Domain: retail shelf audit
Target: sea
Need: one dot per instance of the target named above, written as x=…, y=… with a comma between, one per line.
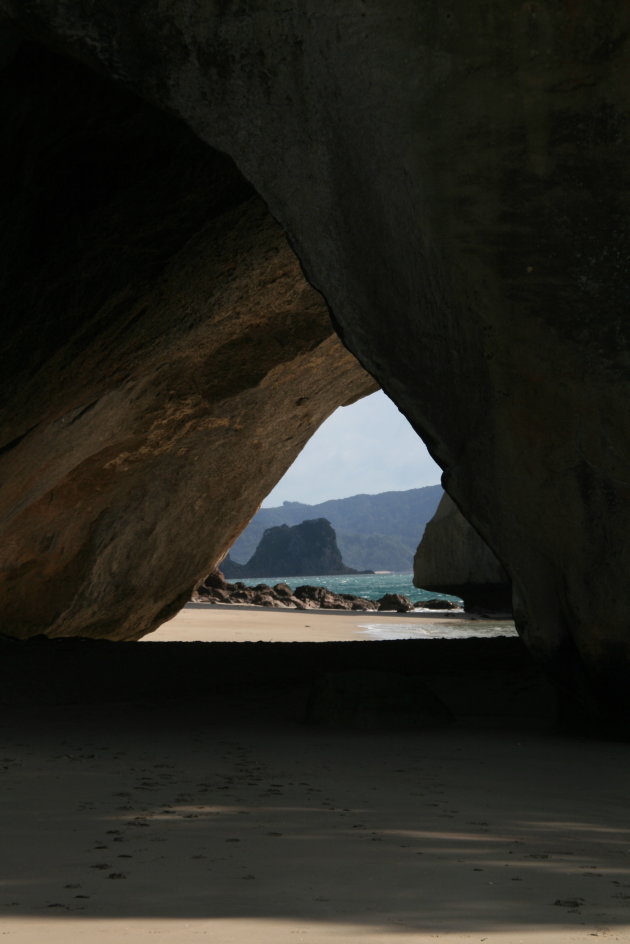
x=370, y=586
x=374, y=586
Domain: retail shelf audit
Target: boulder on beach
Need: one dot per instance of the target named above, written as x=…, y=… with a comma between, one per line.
x=395, y=601
x=216, y=589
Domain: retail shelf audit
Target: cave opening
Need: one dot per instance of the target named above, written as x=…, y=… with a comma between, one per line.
x=166, y=358
x=166, y=362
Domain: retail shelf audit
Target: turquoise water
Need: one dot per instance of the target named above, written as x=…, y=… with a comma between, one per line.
x=371, y=586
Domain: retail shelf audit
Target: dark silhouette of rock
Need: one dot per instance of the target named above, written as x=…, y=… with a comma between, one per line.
x=216, y=581
x=374, y=532
x=437, y=604
x=395, y=601
x=452, y=558
x=306, y=549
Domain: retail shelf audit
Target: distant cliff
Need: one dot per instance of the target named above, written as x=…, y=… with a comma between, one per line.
x=305, y=550
x=374, y=532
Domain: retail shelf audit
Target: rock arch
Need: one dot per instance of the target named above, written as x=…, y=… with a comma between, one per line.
x=164, y=360
x=455, y=181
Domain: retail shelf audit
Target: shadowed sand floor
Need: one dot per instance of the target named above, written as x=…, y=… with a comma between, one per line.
x=229, y=820
x=141, y=822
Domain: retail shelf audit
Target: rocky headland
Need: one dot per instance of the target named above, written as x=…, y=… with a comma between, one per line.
x=308, y=549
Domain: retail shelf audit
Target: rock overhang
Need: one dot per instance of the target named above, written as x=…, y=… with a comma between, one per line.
x=454, y=181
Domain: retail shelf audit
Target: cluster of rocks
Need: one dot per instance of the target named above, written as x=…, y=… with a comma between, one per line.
x=216, y=589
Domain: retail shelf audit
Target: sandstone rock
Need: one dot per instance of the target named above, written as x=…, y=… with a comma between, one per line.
x=452, y=558
x=395, y=601
x=358, y=603
x=158, y=331
x=436, y=604
x=263, y=599
x=455, y=181
x=216, y=581
x=321, y=597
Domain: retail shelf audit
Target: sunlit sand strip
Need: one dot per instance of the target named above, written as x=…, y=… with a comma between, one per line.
x=278, y=931
x=209, y=623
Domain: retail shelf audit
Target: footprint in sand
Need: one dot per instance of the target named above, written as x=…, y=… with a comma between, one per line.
x=571, y=903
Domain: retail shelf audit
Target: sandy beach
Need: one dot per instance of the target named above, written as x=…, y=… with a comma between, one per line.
x=231, y=821
x=216, y=623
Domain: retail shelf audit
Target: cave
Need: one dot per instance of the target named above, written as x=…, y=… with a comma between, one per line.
x=165, y=361
x=454, y=188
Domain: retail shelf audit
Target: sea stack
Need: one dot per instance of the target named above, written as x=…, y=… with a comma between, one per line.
x=308, y=549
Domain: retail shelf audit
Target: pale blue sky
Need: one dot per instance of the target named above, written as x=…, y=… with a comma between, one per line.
x=368, y=447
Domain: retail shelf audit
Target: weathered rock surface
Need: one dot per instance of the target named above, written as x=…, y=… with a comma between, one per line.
x=307, y=549
x=452, y=558
x=164, y=359
x=437, y=604
x=455, y=180
x=395, y=601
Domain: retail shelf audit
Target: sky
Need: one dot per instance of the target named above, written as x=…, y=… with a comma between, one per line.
x=368, y=447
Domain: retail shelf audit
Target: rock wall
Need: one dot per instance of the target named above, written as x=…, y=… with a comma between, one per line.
x=164, y=359
x=455, y=181
x=452, y=558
